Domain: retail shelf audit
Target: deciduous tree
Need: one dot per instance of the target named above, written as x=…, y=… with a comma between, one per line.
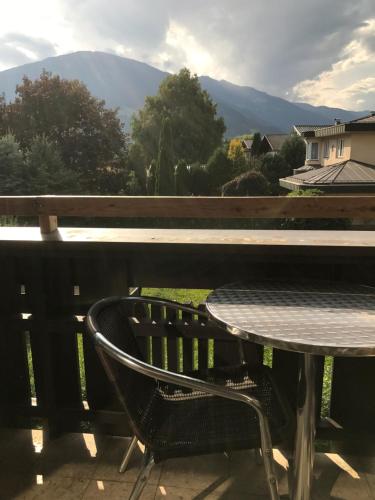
x=88, y=136
x=294, y=151
x=192, y=113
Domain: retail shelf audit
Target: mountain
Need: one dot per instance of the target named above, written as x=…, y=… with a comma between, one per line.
x=125, y=83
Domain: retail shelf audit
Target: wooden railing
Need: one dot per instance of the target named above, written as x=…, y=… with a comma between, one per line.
x=48, y=284
x=48, y=208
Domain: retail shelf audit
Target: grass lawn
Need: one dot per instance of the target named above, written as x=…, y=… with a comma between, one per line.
x=182, y=295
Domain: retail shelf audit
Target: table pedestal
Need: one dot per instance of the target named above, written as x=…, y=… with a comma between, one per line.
x=305, y=434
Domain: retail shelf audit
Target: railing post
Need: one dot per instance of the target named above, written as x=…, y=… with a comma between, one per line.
x=47, y=223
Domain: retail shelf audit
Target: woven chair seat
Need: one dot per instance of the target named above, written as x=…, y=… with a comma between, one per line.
x=181, y=422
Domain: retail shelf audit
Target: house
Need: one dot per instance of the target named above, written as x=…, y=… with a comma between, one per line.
x=340, y=158
x=272, y=143
x=246, y=148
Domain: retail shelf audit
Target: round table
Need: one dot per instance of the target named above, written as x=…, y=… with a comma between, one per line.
x=313, y=318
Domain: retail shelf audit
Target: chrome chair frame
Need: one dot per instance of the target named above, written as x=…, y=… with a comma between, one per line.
x=104, y=346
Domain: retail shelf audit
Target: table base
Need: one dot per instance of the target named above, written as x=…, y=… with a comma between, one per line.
x=305, y=434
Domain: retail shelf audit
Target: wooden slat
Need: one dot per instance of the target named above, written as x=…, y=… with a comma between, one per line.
x=362, y=207
x=353, y=396
x=47, y=223
x=97, y=276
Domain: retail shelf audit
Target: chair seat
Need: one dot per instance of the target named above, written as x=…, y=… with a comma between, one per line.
x=180, y=422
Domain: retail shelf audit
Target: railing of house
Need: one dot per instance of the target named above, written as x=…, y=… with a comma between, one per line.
x=50, y=276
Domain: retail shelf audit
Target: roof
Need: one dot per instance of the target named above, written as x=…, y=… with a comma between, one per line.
x=276, y=140
x=347, y=176
x=300, y=129
x=363, y=124
x=366, y=119
x=247, y=143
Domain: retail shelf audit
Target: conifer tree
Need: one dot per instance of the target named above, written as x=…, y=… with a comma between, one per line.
x=164, y=182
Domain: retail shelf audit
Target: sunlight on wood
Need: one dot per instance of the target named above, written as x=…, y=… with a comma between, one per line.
x=280, y=459
x=39, y=479
x=141, y=446
x=340, y=462
x=89, y=440
x=37, y=438
x=163, y=491
x=100, y=485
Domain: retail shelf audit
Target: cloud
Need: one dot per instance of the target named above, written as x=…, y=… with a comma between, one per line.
x=17, y=48
x=271, y=45
x=276, y=46
x=349, y=81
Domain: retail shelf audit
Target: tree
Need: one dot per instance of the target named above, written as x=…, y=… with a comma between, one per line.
x=255, y=147
x=150, y=178
x=219, y=170
x=191, y=112
x=46, y=172
x=133, y=186
x=199, y=180
x=88, y=135
x=274, y=167
x=248, y=184
x=12, y=167
x=164, y=179
x=182, y=179
x=236, y=154
x=293, y=151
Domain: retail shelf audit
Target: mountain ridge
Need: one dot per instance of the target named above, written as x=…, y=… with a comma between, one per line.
x=124, y=83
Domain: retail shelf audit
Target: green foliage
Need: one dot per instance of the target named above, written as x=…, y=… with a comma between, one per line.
x=46, y=173
x=150, y=178
x=164, y=180
x=219, y=169
x=294, y=151
x=250, y=183
x=191, y=112
x=88, y=136
x=12, y=167
x=257, y=140
x=182, y=179
x=274, y=167
x=133, y=186
x=199, y=180
x=313, y=223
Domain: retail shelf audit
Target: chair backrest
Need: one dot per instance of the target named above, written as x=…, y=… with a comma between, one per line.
x=111, y=318
x=165, y=334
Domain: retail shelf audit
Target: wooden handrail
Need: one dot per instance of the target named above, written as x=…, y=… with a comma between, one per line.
x=191, y=207
x=267, y=207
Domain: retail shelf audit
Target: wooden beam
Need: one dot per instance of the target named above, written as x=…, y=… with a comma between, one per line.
x=268, y=207
x=47, y=223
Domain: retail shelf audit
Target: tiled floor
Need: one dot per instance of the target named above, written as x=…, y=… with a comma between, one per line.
x=83, y=466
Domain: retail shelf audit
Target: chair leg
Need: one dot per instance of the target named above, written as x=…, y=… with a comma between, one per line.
x=147, y=464
x=266, y=446
x=128, y=454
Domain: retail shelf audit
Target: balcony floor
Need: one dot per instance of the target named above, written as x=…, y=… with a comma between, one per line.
x=84, y=466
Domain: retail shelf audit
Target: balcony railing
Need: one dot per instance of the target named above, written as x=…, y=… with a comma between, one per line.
x=50, y=276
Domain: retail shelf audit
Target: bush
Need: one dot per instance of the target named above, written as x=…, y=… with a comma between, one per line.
x=248, y=184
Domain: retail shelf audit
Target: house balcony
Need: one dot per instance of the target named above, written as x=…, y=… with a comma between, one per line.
x=58, y=415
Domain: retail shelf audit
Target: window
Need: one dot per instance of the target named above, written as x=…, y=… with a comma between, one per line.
x=340, y=148
x=312, y=151
x=326, y=150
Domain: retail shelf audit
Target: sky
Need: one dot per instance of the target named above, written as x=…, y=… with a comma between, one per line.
x=317, y=51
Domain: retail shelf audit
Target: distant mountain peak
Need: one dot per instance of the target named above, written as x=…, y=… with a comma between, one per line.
x=124, y=83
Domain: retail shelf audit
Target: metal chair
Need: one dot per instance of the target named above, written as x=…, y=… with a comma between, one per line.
x=219, y=409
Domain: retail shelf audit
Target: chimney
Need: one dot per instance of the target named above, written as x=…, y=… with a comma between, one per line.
x=337, y=121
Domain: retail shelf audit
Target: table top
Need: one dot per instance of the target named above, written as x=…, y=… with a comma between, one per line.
x=327, y=318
